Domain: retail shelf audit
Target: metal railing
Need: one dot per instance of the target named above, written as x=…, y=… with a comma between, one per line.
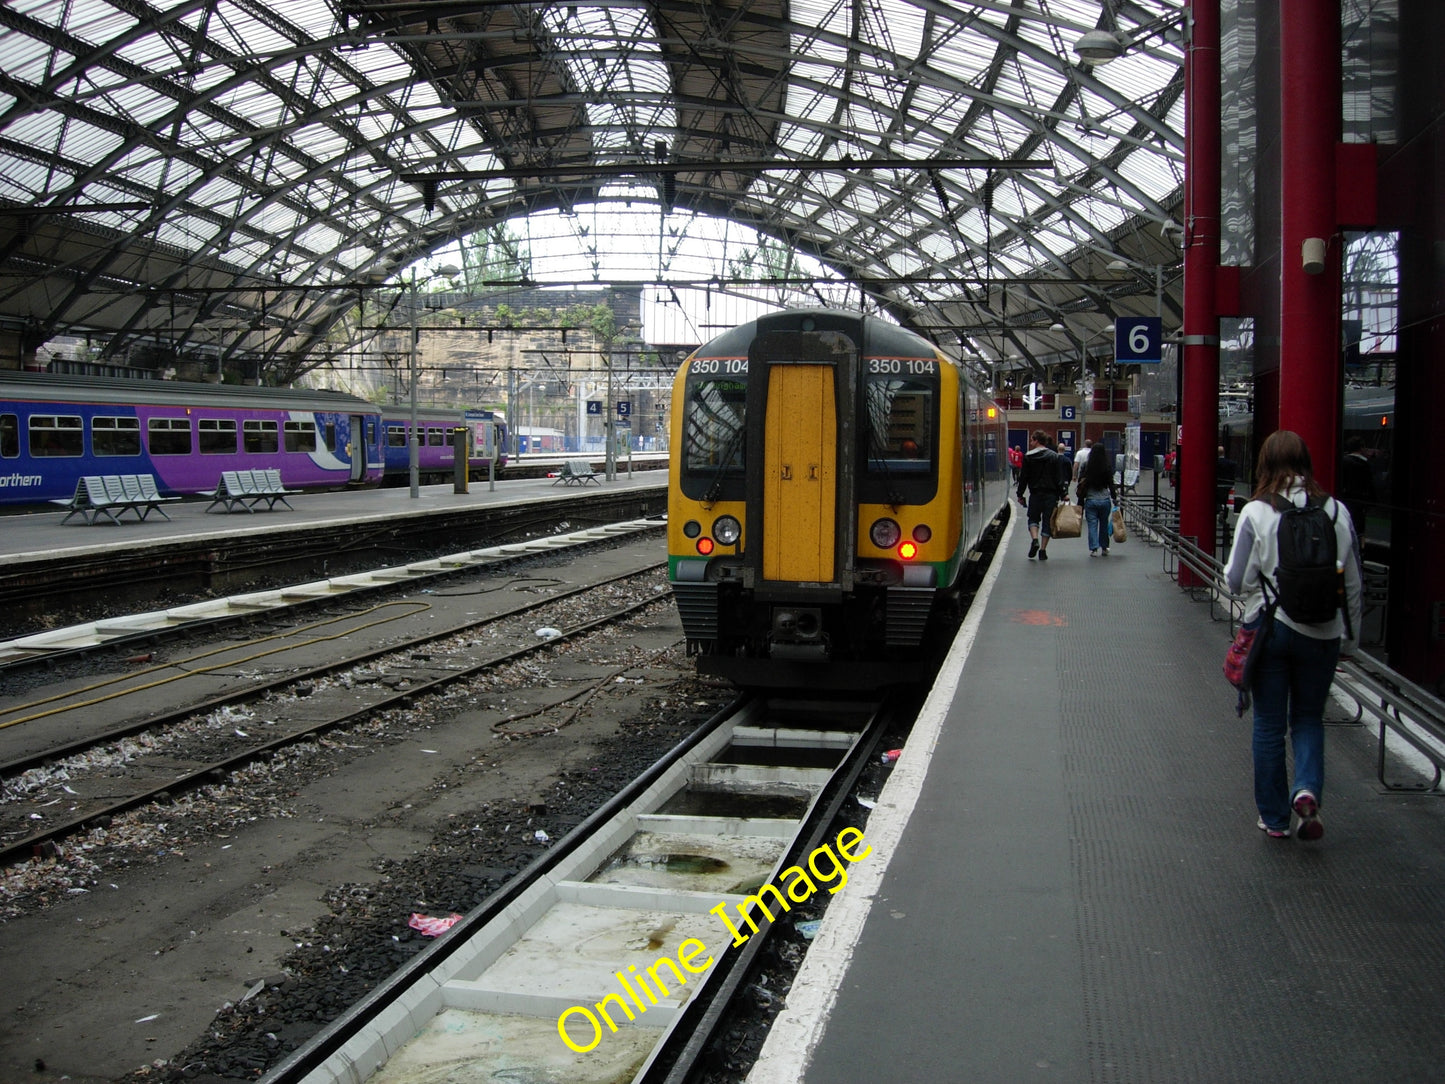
x=1390, y=702
x=1157, y=524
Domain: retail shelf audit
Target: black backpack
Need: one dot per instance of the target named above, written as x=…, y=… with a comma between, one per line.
x=1309, y=584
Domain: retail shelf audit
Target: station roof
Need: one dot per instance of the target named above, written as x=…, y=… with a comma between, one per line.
x=231, y=176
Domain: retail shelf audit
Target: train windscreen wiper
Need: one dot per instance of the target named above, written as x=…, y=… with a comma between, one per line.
x=877, y=453
x=724, y=465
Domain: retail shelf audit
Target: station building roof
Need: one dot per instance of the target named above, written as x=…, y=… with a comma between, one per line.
x=234, y=175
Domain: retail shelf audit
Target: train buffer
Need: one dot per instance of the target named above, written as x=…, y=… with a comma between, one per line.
x=576, y=472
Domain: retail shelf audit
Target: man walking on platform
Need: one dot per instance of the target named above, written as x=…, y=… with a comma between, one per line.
x=1040, y=478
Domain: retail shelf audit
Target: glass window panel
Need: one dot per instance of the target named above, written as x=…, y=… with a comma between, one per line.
x=217, y=436
x=300, y=436
x=115, y=436
x=259, y=436
x=169, y=436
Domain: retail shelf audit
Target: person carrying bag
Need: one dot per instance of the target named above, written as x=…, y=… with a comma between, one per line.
x=1293, y=561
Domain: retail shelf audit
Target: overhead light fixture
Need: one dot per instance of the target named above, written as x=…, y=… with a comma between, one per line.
x=1099, y=46
x=1118, y=265
x=1056, y=327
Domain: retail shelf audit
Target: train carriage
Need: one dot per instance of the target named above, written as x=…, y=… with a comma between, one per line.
x=486, y=438
x=55, y=430
x=834, y=480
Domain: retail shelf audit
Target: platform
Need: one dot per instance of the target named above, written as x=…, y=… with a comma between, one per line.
x=1067, y=882
x=41, y=537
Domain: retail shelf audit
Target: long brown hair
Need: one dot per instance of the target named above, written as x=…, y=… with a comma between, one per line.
x=1283, y=457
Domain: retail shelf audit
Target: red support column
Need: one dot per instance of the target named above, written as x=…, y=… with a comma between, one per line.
x=1199, y=415
x=1310, y=375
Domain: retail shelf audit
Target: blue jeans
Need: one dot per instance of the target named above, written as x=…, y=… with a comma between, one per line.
x=1096, y=515
x=1291, y=681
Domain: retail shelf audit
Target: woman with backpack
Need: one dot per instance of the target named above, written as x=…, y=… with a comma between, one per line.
x=1294, y=561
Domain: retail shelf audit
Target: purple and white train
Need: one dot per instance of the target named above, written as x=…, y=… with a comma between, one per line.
x=56, y=429
x=486, y=437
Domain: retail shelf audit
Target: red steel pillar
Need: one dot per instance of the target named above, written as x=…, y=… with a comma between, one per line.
x=1199, y=416
x=1310, y=376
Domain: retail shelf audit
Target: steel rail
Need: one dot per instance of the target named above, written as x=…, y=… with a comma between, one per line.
x=36, y=843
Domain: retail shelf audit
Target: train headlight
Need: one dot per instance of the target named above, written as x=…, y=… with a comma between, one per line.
x=692, y=528
x=884, y=534
x=727, y=530
x=704, y=546
x=908, y=551
x=922, y=533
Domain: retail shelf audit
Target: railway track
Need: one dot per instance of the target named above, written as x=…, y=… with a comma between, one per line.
x=302, y=704
x=642, y=917
x=47, y=648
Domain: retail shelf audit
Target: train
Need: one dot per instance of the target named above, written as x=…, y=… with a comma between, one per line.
x=1369, y=417
x=835, y=482
x=486, y=439
x=56, y=429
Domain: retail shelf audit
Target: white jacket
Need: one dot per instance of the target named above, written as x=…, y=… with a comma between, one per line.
x=1255, y=556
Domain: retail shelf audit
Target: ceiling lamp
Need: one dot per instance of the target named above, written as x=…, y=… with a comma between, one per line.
x=1099, y=46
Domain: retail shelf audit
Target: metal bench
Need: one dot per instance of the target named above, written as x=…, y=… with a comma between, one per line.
x=576, y=472
x=110, y=496
x=92, y=501
x=143, y=494
x=231, y=493
x=249, y=488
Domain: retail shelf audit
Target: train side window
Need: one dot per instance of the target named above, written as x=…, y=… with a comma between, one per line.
x=9, y=436
x=56, y=435
x=217, y=436
x=301, y=436
x=434, y=438
x=259, y=436
x=396, y=436
x=115, y=436
x=169, y=436
x=331, y=437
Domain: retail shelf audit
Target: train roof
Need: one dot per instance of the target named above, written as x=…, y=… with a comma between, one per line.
x=43, y=387
x=401, y=412
x=880, y=337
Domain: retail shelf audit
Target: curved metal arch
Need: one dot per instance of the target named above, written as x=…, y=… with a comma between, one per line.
x=802, y=216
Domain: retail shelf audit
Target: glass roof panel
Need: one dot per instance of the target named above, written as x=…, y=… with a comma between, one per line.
x=281, y=128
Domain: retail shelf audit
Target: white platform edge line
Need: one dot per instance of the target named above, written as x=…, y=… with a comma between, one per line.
x=799, y=1028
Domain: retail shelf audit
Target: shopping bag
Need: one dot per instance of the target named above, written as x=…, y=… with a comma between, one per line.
x=1067, y=521
x=1116, y=522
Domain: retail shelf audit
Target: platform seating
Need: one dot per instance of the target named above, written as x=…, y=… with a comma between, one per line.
x=109, y=496
x=576, y=472
x=248, y=488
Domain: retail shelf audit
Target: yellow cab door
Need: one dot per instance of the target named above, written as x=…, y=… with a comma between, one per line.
x=800, y=483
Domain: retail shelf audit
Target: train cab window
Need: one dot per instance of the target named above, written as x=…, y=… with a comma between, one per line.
x=9, y=436
x=301, y=436
x=331, y=437
x=169, y=436
x=56, y=435
x=714, y=435
x=396, y=436
x=217, y=436
x=115, y=436
x=901, y=442
x=259, y=435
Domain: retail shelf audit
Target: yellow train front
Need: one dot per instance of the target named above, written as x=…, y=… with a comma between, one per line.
x=835, y=481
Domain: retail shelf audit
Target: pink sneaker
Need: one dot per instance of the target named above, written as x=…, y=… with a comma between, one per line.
x=1273, y=833
x=1307, y=806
